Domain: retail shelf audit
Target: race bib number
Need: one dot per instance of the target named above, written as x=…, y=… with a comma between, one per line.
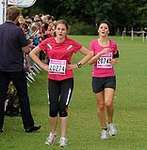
x=103, y=61
x=57, y=66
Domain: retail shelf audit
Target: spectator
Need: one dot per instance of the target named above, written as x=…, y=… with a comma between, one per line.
x=13, y=45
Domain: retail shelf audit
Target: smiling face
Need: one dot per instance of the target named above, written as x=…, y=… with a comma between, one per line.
x=61, y=31
x=103, y=30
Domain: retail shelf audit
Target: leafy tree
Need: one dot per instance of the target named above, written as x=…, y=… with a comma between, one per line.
x=121, y=13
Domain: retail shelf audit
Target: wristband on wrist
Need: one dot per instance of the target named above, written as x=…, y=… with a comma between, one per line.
x=79, y=65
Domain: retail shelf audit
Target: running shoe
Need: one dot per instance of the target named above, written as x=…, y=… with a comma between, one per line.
x=50, y=140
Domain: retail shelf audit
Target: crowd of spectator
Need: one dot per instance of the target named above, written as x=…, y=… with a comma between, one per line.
x=36, y=29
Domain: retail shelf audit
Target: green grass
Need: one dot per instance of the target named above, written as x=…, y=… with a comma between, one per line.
x=83, y=131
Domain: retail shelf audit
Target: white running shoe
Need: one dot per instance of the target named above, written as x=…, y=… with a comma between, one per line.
x=63, y=141
x=112, y=129
x=50, y=140
x=104, y=134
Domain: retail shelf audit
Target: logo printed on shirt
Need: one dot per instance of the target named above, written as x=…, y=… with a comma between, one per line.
x=50, y=47
x=69, y=47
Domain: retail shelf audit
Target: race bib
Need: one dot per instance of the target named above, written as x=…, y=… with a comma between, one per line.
x=103, y=61
x=57, y=66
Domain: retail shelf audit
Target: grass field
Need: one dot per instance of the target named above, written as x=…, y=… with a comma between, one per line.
x=83, y=132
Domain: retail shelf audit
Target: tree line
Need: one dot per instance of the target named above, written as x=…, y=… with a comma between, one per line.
x=120, y=13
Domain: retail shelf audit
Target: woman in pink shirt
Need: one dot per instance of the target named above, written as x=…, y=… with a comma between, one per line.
x=103, y=78
x=59, y=50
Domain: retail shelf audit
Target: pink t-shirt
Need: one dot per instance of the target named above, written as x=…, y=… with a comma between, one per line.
x=60, y=55
x=102, y=68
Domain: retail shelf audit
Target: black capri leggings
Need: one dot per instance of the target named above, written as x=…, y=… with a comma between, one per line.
x=59, y=96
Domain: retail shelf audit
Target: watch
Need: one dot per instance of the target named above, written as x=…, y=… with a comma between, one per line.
x=79, y=65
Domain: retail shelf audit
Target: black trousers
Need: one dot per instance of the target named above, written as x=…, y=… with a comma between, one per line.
x=20, y=82
x=60, y=93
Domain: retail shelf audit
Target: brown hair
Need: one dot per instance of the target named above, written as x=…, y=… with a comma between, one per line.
x=106, y=22
x=12, y=13
x=62, y=21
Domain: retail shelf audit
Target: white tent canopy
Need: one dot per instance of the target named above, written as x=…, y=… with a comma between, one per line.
x=18, y=3
x=21, y=3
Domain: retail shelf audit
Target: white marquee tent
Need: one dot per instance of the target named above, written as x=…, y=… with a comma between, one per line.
x=18, y=3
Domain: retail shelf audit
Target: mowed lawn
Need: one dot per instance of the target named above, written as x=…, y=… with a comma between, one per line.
x=83, y=131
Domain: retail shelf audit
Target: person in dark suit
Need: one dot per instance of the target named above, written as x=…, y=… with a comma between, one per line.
x=13, y=45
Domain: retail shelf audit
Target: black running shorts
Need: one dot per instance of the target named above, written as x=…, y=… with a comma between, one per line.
x=100, y=83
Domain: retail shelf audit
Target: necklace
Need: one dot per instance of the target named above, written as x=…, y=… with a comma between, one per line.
x=103, y=41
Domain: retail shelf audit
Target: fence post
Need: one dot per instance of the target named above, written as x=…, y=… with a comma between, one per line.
x=124, y=33
x=132, y=34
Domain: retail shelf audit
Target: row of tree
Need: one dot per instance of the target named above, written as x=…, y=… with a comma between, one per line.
x=121, y=13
